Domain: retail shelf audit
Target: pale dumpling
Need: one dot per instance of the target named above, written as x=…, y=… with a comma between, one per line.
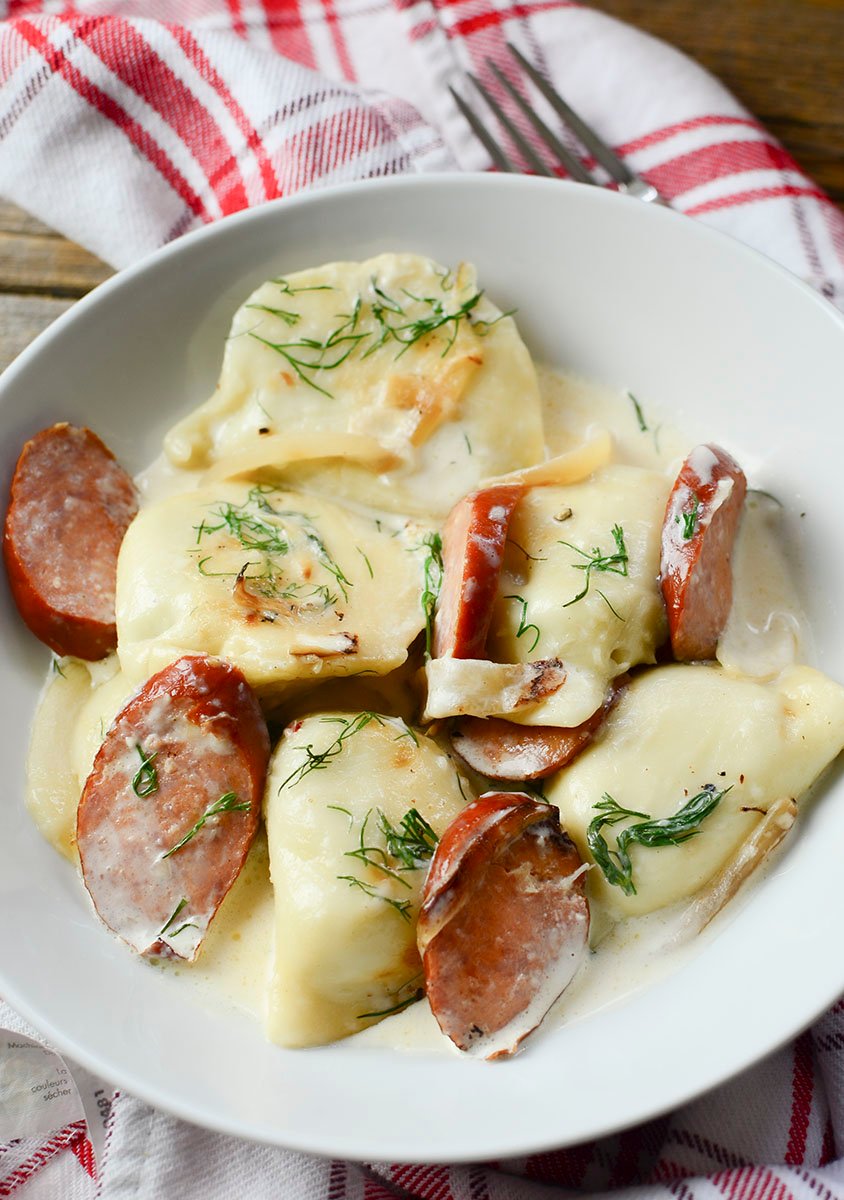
x=345, y=904
x=392, y=381
x=288, y=587
x=614, y=521
x=683, y=728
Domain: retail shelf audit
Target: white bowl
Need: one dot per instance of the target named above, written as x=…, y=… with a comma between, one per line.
x=719, y=338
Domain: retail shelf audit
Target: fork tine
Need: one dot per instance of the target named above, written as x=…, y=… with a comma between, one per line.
x=610, y=161
x=573, y=165
x=515, y=134
x=493, y=149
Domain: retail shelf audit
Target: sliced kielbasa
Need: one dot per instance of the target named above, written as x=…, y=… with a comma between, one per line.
x=172, y=805
x=70, y=505
x=504, y=921
x=502, y=749
x=474, y=538
x=701, y=521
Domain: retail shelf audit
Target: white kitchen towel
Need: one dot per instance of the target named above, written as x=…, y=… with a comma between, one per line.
x=123, y=129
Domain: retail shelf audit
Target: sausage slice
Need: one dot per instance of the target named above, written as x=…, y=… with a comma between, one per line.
x=71, y=503
x=172, y=804
x=504, y=921
x=701, y=521
x=502, y=749
x=474, y=537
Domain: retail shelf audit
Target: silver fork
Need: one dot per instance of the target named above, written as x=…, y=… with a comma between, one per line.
x=615, y=167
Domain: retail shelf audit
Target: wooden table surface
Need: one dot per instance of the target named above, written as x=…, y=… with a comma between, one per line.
x=784, y=59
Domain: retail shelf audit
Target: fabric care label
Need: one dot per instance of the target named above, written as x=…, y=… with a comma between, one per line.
x=40, y=1093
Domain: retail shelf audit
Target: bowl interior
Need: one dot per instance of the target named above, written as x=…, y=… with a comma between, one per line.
x=723, y=344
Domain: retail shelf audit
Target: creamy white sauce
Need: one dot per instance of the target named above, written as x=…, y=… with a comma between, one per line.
x=767, y=629
x=766, y=632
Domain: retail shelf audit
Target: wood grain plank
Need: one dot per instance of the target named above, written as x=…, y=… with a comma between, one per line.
x=15, y=220
x=47, y=265
x=22, y=318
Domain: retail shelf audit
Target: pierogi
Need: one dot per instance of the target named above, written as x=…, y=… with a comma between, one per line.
x=294, y=530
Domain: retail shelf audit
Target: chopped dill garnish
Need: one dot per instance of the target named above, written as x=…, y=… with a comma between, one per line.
x=407, y=733
x=413, y=843
x=286, y=290
x=527, y=554
x=615, y=564
x=58, y=669
x=253, y=525
x=284, y=314
x=311, y=355
x=366, y=560
x=523, y=627
x=406, y=848
x=339, y=808
x=319, y=760
x=380, y=319
x=173, y=916
x=401, y=906
x=460, y=786
x=418, y=994
x=690, y=519
x=245, y=525
x=433, y=569
x=468, y=443
x=330, y=564
x=667, y=831
x=145, y=779
x=640, y=416
x=376, y=857
x=227, y=803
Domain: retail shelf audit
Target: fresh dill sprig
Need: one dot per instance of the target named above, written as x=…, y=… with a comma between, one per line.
x=433, y=570
x=366, y=560
x=284, y=314
x=637, y=408
x=438, y=318
x=523, y=627
x=145, y=779
x=666, y=831
x=286, y=290
x=460, y=786
x=312, y=355
x=227, y=803
x=407, y=732
x=690, y=519
x=615, y=564
x=320, y=759
x=402, y=907
x=413, y=843
x=339, y=808
x=376, y=857
x=251, y=525
x=331, y=565
x=174, y=914
x=418, y=994
x=245, y=525
x=406, y=848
